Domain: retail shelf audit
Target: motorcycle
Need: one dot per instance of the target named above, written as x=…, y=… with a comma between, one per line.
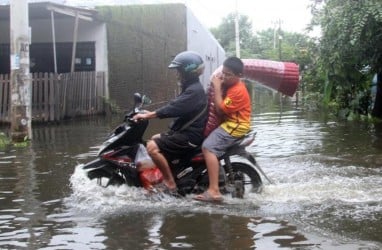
x=116, y=162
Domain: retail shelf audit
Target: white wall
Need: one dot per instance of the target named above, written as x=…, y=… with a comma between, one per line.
x=87, y=31
x=41, y=31
x=201, y=40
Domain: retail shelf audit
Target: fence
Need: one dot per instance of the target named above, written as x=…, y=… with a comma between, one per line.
x=59, y=96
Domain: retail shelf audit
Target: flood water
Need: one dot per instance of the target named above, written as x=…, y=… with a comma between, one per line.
x=327, y=192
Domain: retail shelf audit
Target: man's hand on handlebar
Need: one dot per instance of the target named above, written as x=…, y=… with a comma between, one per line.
x=144, y=115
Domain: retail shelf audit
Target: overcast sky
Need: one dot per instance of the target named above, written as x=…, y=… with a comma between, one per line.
x=294, y=14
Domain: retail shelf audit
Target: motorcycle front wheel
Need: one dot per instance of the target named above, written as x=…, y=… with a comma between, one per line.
x=104, y=173
x=245, y=179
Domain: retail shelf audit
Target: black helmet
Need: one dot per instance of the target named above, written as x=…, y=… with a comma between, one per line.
x=190, y=64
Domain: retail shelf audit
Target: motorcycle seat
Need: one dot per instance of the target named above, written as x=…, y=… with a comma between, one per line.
x=246, y=140
x=241, y=143
x=239, y=146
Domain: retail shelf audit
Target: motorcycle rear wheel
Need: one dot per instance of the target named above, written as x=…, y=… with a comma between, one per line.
x=246, y=179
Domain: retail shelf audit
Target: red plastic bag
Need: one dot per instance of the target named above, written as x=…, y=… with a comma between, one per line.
x=150, y=177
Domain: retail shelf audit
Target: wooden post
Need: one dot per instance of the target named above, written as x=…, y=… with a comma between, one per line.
x=75, y=34
x=54, y=41
x=21, y=113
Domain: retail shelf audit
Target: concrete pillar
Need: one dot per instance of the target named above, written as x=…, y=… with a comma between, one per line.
x=21, y=84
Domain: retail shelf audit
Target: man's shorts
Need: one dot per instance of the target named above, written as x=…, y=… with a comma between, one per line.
x=219, y=141
x=174, y=144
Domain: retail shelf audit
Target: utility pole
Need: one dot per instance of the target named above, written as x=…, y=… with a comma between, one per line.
x=280, y=39
x=237, y=32
x=21, y=113
x=274, y=38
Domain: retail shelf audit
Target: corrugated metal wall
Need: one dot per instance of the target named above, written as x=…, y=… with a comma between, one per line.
x=142, y=40
x=201, y=40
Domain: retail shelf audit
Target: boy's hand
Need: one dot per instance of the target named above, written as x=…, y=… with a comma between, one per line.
x=217, y=81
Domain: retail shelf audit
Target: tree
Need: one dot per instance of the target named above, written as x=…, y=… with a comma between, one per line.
x=350, y=52
x=294, y=46
x=225, y=34
x=261, y=45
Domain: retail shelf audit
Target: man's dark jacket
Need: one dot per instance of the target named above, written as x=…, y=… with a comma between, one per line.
x=185, y=107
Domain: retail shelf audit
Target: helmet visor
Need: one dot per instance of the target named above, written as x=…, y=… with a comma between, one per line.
x=174, y=64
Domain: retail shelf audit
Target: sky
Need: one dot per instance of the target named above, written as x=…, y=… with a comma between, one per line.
x=294, y=14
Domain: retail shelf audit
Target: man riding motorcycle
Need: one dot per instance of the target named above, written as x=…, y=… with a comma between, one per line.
x=189, y=110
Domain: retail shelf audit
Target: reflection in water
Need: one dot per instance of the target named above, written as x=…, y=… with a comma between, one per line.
x=200, y=231
x=19, y=197
x=33, y=180
x=279, y=234
x=75, y=233
x=327, y=193
x=376, y=134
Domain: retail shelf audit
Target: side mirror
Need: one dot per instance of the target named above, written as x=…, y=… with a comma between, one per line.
x=137, y=99
x=146, y=100
x=140, y=100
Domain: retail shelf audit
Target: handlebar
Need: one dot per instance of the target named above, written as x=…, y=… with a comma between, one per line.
x=129, y=117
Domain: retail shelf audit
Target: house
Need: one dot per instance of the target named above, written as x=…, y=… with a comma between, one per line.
x=64, y=83
x=106, y=53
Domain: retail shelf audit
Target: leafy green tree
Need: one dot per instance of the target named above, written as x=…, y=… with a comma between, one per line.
x=350, y=52
x=225, y=34
x=294, y=46
x=263, y=44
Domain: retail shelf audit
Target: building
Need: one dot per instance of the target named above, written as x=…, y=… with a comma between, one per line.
x=127, y=47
